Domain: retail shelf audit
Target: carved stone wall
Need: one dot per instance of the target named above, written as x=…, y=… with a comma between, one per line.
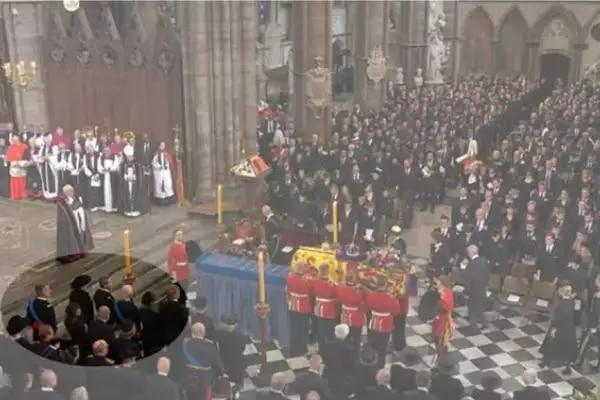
x=125, y=76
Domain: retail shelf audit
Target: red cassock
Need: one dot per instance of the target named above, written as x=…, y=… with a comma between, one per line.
x=353, y=305
x=325, y=299
x=64, y=140
x=443, y=321
x=298, y=293
x=383, y=308
x=177, y=262
x=18, y=173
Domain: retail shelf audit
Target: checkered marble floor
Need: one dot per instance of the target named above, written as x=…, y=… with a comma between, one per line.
x=508, y=347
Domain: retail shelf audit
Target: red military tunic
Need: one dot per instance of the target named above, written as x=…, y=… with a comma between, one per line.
x=298, y=293
x=353, y=305
x=383, y=308
x=443, y=325
x=325, y=299
x=177, y=261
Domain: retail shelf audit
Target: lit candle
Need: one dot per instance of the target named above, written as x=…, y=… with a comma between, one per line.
x=262, y=295
x=127, y=253
x=334, y=214
x=220, y=204
x=33, y=66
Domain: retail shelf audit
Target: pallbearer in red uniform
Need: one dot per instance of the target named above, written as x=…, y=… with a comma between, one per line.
x=443, y=325
x=325, y=306
x=353, y=308
x=177, y=260
x=298, y=292
x=17, y=168
x=384, y=307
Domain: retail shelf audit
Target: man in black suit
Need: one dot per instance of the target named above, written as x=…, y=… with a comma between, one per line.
x=199, y=314
x=232, y=344
x=278, y=384
x=339, y=358
x=125, y=309
x=423, y=380
x=160, y=386
x=312, y=380
x=547, y=260
x=477, y=276
x=144, y=150
x=407, y=181
x=382, y=391
x=100, y=330
x=443, y=385
x=104, y=297
x=173, y=316
x=531, y=392
x=462, y=208
x=48, y=383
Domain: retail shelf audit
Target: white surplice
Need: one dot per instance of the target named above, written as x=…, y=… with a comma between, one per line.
x=163, y=178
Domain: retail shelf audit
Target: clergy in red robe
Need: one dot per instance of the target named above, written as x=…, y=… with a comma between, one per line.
x=177, y=260
x=117, y=146
x=18, y=168
x=61, y=139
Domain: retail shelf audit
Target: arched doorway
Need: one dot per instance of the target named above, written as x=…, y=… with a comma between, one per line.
x=555, y=65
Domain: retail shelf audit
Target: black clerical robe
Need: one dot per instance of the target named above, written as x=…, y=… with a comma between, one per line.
x=73, y=235
x=134, y=198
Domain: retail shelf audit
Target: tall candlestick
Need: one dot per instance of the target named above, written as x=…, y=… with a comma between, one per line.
x=127, y=253
x=220, y=204
x=262, y=295
x=334, y=213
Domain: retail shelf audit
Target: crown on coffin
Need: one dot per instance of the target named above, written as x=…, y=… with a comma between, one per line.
x=251, y=167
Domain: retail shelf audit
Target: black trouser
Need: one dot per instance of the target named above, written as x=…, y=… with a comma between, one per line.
x=429, y=199
x=379, y=342
x=355, y=337
x=591, y=339
x=399, y=334
x=299, y=324
x=325, y=334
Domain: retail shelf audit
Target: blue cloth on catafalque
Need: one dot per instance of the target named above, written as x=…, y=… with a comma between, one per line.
x=230, y=285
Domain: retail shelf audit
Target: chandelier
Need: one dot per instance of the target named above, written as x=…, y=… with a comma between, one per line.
x=71, y=5
x=19, y=77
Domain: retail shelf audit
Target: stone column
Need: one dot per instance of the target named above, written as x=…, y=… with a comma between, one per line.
x=533, y=48
x=237, y=92
x=201, y=142
x=226, y=34
x=25, y=32
x=370, y=66
x=312, y=67
x=218, y=153
x=249, y=13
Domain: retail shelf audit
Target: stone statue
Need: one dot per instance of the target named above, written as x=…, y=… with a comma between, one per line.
x=399, y=76
x=437, y=56
x=318, y=87
x=418, y=78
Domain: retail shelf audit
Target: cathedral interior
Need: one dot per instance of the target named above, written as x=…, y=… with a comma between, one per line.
x=204, y=67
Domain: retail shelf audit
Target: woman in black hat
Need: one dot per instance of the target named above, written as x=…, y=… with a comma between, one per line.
x=80, y=296
x=76, y=328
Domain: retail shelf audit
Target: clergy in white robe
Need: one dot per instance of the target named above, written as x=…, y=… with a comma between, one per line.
x=45, y=159
x=163, y=168
x=109, y=172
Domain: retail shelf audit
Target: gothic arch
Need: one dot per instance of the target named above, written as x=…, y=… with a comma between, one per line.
x=570, y=50
x=588, y=25
x=477, y=46
x=561, y=12
x=512, y=35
